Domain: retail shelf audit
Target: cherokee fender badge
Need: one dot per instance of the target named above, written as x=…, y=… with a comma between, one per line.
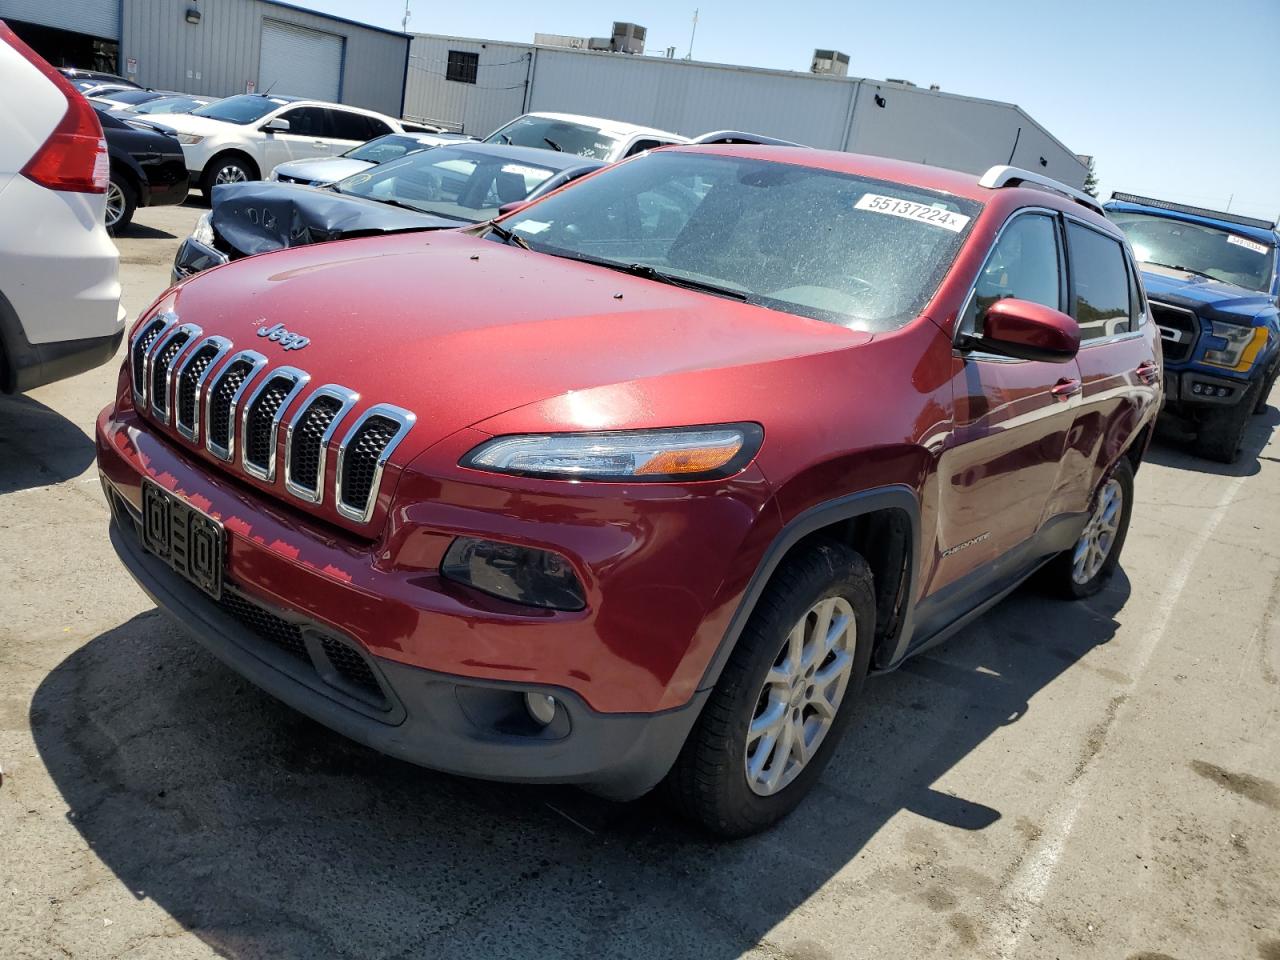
x=287, y=340
x=968, y=543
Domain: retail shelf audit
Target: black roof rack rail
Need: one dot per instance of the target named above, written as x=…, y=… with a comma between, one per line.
x=1195, y=211
x=739, y=136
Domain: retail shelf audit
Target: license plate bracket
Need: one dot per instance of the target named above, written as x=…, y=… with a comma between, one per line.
x=191, y=543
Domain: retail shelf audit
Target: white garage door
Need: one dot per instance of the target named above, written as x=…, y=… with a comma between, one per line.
x=299, y=62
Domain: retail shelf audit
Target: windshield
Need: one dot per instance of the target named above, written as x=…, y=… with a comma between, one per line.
x=547, y=134
x=448, y=181
x=245, y=108
x=391, y=147
x=1211, y=251
x=861, y=253
x=168, y=105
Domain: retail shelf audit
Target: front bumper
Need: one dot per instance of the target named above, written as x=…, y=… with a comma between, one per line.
x=192, y=257
x=1189, y=389
x=454, y=724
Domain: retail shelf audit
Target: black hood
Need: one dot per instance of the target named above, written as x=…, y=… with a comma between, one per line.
x=260, y=217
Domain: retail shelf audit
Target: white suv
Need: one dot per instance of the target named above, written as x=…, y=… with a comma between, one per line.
x=60, y=310
x=245, y=137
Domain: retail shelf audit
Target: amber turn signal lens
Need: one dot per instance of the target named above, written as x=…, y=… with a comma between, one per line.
x=695, y=460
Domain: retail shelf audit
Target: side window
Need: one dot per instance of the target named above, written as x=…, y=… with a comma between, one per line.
x=640, y=146
x=1025, y=263
x=348, y=126
x=1137, y=301
x=306, y=121
x=377, y=128
x=1101, y=283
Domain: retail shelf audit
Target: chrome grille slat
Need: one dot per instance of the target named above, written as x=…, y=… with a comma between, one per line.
x=140, y=352
x=160, y=368
x=223, y=400
x=190, y=378
x=260, y=424
x=306, y=444
x=362, y=456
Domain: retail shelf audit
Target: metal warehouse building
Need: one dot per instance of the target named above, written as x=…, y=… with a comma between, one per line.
x=220, y=47
x=476, y=85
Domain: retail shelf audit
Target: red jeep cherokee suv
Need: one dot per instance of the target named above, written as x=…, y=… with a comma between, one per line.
x=640, y=481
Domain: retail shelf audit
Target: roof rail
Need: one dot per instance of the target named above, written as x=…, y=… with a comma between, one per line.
x=1195, y=211
x=738, y=136
x=1006, y=176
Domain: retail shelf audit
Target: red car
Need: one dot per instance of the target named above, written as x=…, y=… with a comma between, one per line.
x=640, y=481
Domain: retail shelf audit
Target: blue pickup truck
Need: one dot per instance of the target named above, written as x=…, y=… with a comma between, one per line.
x=1213, y=283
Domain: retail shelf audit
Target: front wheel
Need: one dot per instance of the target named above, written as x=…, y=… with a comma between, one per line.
x=785, y=697
x=225, y=169
x=1220, y=435
x=1085, y=569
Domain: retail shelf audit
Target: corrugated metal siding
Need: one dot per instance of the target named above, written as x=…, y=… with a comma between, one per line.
x=295, y=60
x=98, y=18
x=220, y=54
x=942, y=129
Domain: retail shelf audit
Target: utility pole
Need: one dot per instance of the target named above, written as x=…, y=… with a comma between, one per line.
x=404, y=24
x=692, y=33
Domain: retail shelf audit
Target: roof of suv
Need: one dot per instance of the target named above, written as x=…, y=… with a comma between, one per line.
x=616, y=127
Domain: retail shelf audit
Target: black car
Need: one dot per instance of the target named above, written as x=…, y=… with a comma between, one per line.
x=147, y=167
x=447, y=186
x=82, y=79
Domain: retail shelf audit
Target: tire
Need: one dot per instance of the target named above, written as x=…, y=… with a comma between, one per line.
x=1078, y=573
x=1221, y=433
x=226, y=168
x=1265, y=392
x=710, y=782
x=122, y=201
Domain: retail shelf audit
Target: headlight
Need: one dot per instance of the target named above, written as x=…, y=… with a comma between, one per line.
x=202, y=232
x=688, y=453
x=1243, y=345
x=189, y=138
x=275, y=175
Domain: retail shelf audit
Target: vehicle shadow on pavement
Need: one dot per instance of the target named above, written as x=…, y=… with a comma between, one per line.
x=141, y=231
x=38, y=446
x=266, y=835
x=1171, y=447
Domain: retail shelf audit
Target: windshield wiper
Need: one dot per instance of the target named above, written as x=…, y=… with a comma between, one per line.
x=554, y=146
x=653, y=273
x=509, y=237
x=1175, y=266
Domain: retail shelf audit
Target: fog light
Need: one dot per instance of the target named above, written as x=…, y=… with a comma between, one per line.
x=526, y=575
x=541, y=706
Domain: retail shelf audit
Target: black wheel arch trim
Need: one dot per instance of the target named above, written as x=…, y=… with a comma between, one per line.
x=128, y=169
x=895, y=497
x=222, y=156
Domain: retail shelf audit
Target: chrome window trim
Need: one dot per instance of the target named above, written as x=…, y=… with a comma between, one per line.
x=405, y=420
x=300, y=380
x=193, y=332
x=223, y=346
x=347, y=399
x=167, y=320
x=973, y=287
x=257, y=362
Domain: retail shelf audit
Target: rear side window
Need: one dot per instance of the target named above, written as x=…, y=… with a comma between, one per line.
x=1101, y=283
x=349, y=126
x=1025, y=263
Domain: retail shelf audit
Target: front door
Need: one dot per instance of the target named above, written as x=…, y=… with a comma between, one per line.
x=1001, y=475
x=306, y=137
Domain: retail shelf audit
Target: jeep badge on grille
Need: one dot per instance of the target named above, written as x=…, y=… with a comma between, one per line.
x=290, y=341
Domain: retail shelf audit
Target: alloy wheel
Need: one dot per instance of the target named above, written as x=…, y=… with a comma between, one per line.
x=115, y=203
x=230, y=173
x=801, y=695
x=1094, y=545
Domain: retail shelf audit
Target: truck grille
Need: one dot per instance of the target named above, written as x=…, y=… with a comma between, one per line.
x=1179, y=330
x=179, y=378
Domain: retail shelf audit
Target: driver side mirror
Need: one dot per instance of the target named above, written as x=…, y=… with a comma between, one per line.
x=276, y=124
x=1027, y=331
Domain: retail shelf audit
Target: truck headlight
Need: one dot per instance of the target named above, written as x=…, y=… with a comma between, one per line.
x=686, y=453
x=1243, y=345
x=202, y=232
x=189, y=138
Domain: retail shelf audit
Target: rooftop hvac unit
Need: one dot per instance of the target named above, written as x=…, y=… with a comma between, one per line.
x=830, y=63
x=628, y=38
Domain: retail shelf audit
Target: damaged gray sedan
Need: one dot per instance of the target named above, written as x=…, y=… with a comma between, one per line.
x=439, y=188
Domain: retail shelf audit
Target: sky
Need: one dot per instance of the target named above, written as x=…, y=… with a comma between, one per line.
x=1177, y=99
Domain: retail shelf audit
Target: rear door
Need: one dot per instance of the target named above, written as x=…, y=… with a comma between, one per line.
x=1119, y=367
x=307, y=137
x=1001, y=477
x=348, y=129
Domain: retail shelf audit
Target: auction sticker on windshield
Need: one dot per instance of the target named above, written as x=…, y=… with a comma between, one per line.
x=1248, y=244
x=910, y=210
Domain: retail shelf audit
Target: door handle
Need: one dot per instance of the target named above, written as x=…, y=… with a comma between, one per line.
x=1148, y=372
x=1066, y=388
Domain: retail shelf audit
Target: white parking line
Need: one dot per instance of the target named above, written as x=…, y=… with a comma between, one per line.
x=1026, y=890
